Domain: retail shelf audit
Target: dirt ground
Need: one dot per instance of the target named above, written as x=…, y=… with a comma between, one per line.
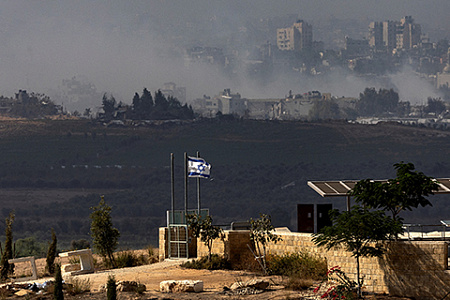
x=151, y=275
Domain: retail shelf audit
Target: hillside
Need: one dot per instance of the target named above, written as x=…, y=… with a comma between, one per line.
x=62, y=166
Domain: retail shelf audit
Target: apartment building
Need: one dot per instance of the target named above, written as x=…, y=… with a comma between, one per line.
x=295, y=38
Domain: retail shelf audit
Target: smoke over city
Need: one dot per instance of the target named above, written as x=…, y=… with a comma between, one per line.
x=120, y=47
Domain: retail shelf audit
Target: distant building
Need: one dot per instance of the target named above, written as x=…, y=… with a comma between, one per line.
x=443, y=79
x=409, y=33
x=295, y=38
x=382, y=35
x=171, y=89
x=390, y=35
x=356, y=48
x=225, y=102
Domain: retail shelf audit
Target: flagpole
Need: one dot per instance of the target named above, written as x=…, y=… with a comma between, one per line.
x=172, y=182
x=198, y=188
x=185, y=185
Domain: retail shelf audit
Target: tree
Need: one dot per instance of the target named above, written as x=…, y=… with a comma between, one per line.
x=203, y=229
x=105, y=236
x=109, y=106
x=324, y=109
x=51, y=254
x=373, y=103
x=58, y=291
x=261, y=233
x=405, y=192
x=111, y=289
x=435, y=106
x=359, y=231
x=146, y=105
x=6, y=268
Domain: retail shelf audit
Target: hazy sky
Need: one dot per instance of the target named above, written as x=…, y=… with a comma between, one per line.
x=120, y=45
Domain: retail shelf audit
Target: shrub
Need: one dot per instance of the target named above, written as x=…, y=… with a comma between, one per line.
x=58, y=291
x=126, y=259
x=79, y=244
x=217, y=263
x=111, y=292
x=298, y=264
x=79, y=286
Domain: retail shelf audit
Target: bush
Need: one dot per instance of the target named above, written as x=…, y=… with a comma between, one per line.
x=79, y=286
x=80, y=244
x=299, y=264
x=111, y=291
x=217, y=263
x=126, y=259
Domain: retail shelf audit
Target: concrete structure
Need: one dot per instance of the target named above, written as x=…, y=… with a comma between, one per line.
x=416, y=269
x=29, y=259
x=295, y=38
x=86, y=262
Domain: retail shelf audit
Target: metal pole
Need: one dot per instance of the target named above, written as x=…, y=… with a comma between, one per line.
x=198, y=189
x=348, y=203
x=185, y=185
x=172, y=181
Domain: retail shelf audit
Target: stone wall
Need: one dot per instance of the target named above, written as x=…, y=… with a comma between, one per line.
x=409, y=268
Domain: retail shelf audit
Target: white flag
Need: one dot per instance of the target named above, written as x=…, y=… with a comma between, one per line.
x=198, y=167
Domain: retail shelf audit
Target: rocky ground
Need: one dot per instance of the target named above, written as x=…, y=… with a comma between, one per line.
x=216, y=284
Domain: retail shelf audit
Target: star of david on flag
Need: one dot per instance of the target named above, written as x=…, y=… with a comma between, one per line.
x=198, y=167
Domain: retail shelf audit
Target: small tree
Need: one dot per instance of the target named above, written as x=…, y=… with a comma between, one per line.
x=203, y=229
x=111, y=291
x=405, y=192
x=359, y=231
x=6, y=268
x=51, y=254
x=261, y=233
x=58, y=291
x=105, y=236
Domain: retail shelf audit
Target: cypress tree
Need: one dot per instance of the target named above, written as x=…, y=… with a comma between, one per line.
x=111, y=292
x=7, y=254
x=51, y=254
x=58, y=291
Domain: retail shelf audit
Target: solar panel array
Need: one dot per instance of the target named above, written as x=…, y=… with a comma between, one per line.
x=343, y=187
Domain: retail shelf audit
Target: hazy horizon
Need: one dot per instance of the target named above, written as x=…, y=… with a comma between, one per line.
x=123, y=46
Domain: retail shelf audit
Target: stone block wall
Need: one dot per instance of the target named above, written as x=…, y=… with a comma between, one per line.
x=409, y=268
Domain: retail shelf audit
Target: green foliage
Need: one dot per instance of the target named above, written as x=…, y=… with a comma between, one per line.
x=324, y=110
x=32, y=105
x=373, y=103
x=215, y=263
x=51, y=254
x=111, y=288
x=30, y=247
x=105, y=236
x=435, y=106
x=7, y=253
x=126, y=259
x=298, y=264
x=109, y=106
x=79, y=244
x=405, y=192
x=203, y=229
x=360, y=232
x=261, y=233
x=58, y=291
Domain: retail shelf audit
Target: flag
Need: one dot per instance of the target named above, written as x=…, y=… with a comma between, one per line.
x=198, y=167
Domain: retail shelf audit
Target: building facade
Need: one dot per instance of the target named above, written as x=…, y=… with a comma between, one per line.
x=295, y=38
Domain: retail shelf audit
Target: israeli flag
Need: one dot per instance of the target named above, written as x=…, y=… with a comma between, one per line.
x=198, y=167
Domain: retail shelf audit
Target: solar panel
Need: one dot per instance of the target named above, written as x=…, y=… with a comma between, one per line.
x=341, y=188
